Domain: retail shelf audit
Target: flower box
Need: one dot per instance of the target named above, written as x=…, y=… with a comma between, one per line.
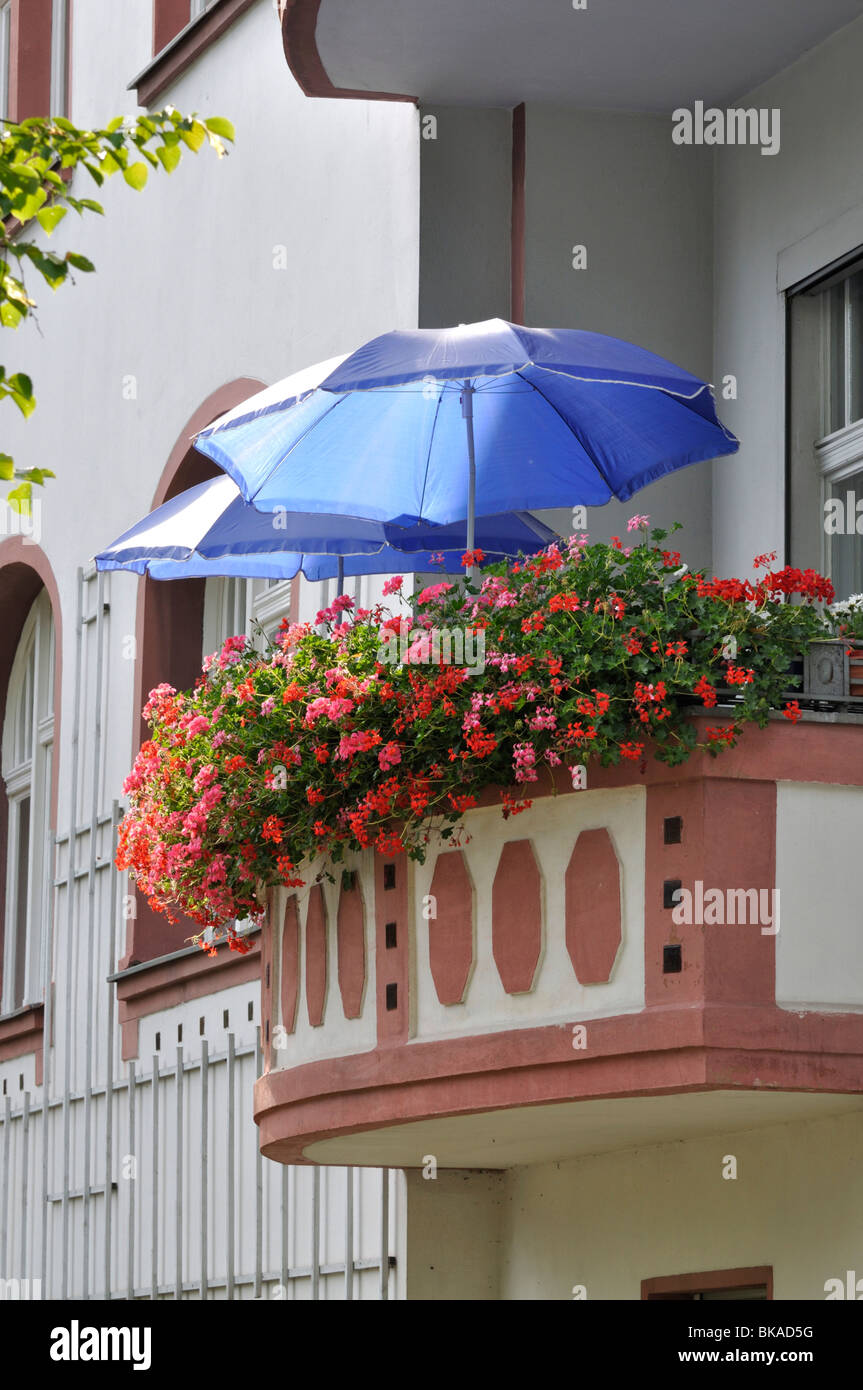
x=335, y=740
x=834, y=669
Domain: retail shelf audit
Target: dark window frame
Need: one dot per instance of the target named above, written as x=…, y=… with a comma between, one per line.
x=689, y=1286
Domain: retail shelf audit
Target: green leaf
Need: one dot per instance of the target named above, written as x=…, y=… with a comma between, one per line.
x=219, y=126
x=23, y=174
x=19, y=499
x=136, y=176
x=195, y=135
x=25, y=405
x=21, y=383
x=115, y=124
x=7, y=468
x=110, y=163
x=37, y=475
x=169, y=157
x=50, y=267
x=20, y=388
x=78, y=261
x=26, y=208
x=49, y=218
x=10, y=314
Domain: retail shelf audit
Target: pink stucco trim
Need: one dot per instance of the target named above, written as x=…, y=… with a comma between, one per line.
x=516, y=930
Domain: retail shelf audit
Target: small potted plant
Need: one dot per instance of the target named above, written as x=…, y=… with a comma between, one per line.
x=847, y=616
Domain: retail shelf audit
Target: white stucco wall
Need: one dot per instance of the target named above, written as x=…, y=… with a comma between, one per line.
x=615, y=184
x=610, y=1220
x=765, y=205
x=819, y=946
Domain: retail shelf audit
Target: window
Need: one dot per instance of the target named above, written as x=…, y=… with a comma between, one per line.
x=28, y=735
x=713, y=1286
x=33, y=58
x=826, y=427
x=270, y=604
x=170, y=632
x=171, y=17
x=226, y=611
x=252, y=606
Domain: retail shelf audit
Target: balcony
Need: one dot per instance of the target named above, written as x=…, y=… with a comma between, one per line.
x=502, y=53
x=530, y=996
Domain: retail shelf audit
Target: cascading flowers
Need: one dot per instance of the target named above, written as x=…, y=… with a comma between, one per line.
x=325, y=743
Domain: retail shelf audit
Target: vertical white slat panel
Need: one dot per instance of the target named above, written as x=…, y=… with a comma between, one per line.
x=230, y=1170
x=205, y=1153
x=154, y=1185
x=71, y=932
x=178, y=1263
x=5, y=1189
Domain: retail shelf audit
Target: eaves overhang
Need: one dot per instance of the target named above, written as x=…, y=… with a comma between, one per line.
x=601, y=54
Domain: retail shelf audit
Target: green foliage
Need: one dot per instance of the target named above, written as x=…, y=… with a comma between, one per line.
x=37, y=160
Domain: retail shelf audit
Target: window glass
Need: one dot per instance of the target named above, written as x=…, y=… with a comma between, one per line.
x=855, y=312
x=835, y=347
x=825, y=436
x=21, y=815
x=226, y=611
x=26, y=770
x=846, y=547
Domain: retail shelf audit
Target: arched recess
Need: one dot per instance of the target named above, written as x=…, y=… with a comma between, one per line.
x=168, y=632
x=24, y=572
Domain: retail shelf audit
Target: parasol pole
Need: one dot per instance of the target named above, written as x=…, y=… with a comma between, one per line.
x=340, y=583
x=467, y=412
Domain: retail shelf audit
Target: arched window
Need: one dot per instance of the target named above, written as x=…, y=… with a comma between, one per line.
x=176, y=620
x=27, y=756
